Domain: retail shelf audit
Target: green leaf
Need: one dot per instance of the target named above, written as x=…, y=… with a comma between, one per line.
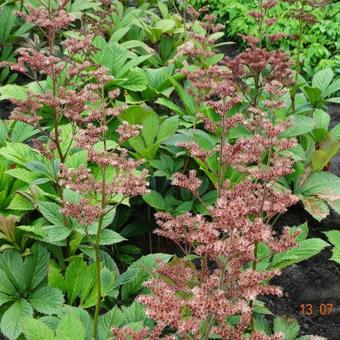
x=51, y=211
x=3, y=133
x=113, y=318
x=188, y=100
x=10, y=91
x=70, y=327
x=76, y=159
x=136, y=80
x=12, y=265
x=306, y=250
x=133, y=313
x=55, y=278
x=323, y=185
x=47, y=300
x=112, y=55
x=18, y=153
x=136, y=114
x=155, y=200
x=22, y=131
x=108, y=279
x=314, y=94
x=34, y=329
x=19, y=202
x=36, y=265
x=22, y=174
x=7, y=22
x=301, y=125
x=289, y=326
x=167, y=128
x=12, y=319
x=322, y=119
x=335, y=100
x=75, y=279
x=170, y=105
x=332, y=88
x=334, y=237
x=184, y=207
x=150, y=130
x=54, y=234
x=316, y=207
x=322, y=79
x=145, y=266
x=7, y=289
x=165, y=25
x=108, y=237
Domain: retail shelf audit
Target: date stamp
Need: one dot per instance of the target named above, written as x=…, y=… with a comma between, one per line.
x=324, y=309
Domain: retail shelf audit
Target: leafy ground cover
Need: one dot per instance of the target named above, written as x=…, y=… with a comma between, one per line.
x=158, y=182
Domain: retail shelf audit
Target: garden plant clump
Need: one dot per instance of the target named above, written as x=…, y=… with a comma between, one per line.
x=147, y=179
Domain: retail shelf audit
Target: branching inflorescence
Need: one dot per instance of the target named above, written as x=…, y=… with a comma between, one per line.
x=215, y=293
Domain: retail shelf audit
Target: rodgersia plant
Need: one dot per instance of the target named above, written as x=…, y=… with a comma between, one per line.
x=79, y=101
x=211, y=291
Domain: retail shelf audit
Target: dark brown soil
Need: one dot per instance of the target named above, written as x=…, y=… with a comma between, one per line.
x=6, y=108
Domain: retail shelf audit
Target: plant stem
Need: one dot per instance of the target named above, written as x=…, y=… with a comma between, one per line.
x=100, y=224
x=98, y=279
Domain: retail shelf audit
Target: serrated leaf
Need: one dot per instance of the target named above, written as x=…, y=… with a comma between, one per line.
x=11, y=321
x=300, y=126
x=70, y=327
x=51, y=211
x=18, y=153
x=322, y=79
x=145, y=265
x=34, y=329
x=334, y=238
x=150, y=130
x=10, y=91
x=76, y=159
x=113, y=318
x=155, y=200
x=36, y=265
x=22, y=174
x=108, y=237
x=167, y=128
x=22, y=131
x=289, y=326
x=47, y=300
x=133, y=313
x=306, y=250
x=19, y=202
x=75, y=279
x=322, y=119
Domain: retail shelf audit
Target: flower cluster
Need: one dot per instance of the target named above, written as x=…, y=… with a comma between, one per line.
x=195, y=299
x=78, y=99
